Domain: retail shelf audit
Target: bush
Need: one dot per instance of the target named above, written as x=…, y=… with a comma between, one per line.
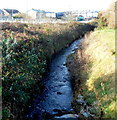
x=108, y=17
x=103, y=19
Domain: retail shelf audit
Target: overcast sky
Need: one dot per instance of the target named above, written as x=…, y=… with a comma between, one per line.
x=56, y=5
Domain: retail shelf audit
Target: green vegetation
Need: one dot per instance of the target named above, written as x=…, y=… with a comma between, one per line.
x=0, y=91
x=27, y=50
x=94, y=73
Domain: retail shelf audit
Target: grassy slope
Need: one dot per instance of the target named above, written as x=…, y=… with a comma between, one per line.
x=95, y=70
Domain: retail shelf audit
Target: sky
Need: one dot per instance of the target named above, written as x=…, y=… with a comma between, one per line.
x=55, y=5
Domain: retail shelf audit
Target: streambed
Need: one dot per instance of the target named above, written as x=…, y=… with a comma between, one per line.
x=57, y=95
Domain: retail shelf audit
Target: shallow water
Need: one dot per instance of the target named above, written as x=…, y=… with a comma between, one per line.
x=57, y=94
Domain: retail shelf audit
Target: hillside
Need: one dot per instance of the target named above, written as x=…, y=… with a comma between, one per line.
x=93, y=68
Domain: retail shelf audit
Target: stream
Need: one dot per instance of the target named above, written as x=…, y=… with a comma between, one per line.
x=57, y=96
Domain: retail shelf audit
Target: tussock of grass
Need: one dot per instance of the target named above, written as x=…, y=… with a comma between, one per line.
x=96, y=71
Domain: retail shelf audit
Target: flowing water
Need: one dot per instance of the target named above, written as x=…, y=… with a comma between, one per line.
x=57, y=95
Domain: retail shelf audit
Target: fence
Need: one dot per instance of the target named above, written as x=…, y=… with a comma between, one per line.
x=36, y=21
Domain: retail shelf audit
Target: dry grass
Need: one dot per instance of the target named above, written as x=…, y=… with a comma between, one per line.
x=95, y=69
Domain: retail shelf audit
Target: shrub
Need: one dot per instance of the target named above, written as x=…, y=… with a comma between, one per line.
x=108, y=17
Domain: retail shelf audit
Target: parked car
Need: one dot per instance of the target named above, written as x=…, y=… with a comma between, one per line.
x=80, y=18
x=59, y=15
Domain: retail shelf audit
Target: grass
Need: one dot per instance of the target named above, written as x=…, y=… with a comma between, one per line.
x=0, y=91
x=96, y=72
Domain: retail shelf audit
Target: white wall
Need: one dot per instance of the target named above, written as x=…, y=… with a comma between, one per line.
x=32, y=14
x=51, y=15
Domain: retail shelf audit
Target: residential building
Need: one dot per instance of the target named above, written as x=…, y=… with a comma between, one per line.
x=11, y=12
x=1, y=13
x=36, y=13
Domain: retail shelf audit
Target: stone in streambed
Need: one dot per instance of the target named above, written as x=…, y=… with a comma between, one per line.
x=59, y=93
x=80, y=100
x=67, y=116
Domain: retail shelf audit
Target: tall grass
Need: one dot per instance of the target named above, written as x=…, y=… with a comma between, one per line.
x=94, y=72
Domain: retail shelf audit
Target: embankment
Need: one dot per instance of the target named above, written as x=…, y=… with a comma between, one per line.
x=93, y=73
x=27, y=50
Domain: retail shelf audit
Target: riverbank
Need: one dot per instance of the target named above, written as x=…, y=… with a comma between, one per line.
x=27, y=50
x=93, y=73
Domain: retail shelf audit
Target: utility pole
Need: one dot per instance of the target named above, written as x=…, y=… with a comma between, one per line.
x=92, y=12
x=12, y=14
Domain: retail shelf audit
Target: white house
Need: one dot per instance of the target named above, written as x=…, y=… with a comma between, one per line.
x=36, y=14
x=50, y=14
